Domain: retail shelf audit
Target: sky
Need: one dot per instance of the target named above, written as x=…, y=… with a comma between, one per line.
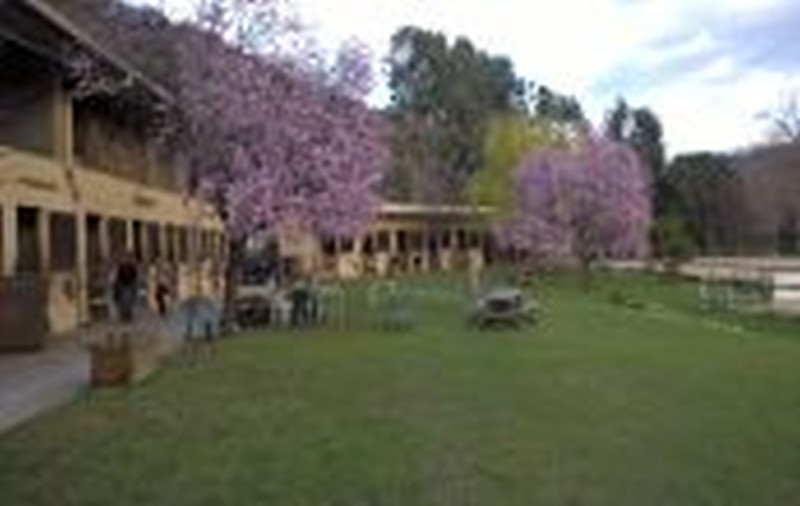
x=709, y=68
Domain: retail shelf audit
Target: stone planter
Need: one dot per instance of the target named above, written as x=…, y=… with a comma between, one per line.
x=124, y=362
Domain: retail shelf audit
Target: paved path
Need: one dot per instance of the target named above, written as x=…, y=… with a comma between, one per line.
x=33, y=383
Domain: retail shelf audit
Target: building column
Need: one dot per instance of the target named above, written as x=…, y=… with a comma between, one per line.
x=145, y=241
x=105, y=242
x=9, y=238
x=419, y=248
x=392, y=250
x=128, y=234
x=82, y=259
x=63, y=128
x=446, y=253
x=44, y=240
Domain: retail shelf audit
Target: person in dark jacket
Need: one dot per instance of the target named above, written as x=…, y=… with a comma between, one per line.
x=125, y=288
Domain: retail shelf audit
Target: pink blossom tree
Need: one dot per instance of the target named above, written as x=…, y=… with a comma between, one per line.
x=293, y=143
x=282, y=147
x=282, y=142
x=278, y=137
x=586, y=202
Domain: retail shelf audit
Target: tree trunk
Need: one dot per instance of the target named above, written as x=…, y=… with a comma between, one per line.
x=236, y=248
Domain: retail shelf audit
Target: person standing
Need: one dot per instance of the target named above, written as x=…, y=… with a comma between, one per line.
x=163, y=291
x=126, y=287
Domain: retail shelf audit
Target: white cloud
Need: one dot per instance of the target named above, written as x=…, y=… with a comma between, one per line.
x=573, y=45
x=716, y=114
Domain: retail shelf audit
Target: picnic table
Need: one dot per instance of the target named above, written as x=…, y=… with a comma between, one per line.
x=504, y=306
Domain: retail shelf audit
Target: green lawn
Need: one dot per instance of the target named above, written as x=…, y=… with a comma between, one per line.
x=601, y=405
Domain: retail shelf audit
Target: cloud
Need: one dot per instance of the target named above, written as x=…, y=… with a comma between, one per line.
x=706, y=66
x=709, y=75
x=751, y=39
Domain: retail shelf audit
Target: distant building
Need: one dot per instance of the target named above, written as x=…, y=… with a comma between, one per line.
x=81, y=180
x=404, y=238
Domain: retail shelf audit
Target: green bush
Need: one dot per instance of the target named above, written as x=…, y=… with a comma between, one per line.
x=673, y=241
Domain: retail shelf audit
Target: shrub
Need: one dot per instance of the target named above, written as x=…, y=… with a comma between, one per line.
x=674, y=243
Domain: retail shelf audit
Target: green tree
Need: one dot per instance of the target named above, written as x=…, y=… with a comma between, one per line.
x=509, y=137
x=788, y=233
x=618, y=121
x=443, y=96
x=559, y=109
x=705, y=191
x=673, y=240
x=640, y=128
x=647, y=138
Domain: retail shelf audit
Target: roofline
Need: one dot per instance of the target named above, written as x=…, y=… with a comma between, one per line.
x=61, y=22
x=403, y=208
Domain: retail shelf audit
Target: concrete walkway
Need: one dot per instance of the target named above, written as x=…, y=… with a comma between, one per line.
x=33, y=383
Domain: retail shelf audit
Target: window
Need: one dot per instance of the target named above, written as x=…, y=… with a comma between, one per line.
x=25, y=101
x=94, y=242
x=416, y=240
x=198, y=243
x=183, y=245
x=447, y=239
x=170, y=250
x=488, y=247
x=461, y=239
x=346, y=244
x=433, y=241
x=474, y=239
x=368, y=246
x=206, y=244
x=488, y=241
x=153, y=242
x=28, y=244
x=138, y=241
x=117, y=237
x=329, y=246
x=402, y=241
x=383, y=241
x=222, y=244
x=63, y=242
x=196, y=250
x=214, y=245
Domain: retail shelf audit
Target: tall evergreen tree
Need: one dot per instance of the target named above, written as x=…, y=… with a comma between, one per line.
x=443, y=96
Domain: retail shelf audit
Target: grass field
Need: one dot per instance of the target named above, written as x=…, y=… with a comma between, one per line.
x=604, y=404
